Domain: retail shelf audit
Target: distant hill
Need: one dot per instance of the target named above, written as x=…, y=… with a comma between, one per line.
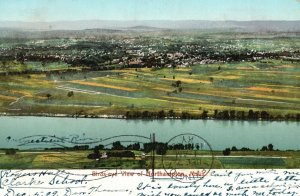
x=141, y=27
x=78, y=29
x=102, y=30
x=249, y=26
x=39, y=34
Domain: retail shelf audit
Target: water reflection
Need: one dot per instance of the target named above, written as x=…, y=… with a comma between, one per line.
x=225, y=123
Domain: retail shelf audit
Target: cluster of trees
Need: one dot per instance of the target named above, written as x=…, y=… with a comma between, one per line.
x=10, y=151
x=227, y=151
x=177, y=85
x=118, y=150
x=234, y=148
x=189, y=146
x=118, y=146
x=47, y=72
x=161, y=148
x=125, y=153
x=270, y=147
x=77, y=147
x=70, y=93
x=96, y=152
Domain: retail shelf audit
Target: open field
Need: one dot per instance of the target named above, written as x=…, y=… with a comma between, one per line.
x=78, y=160
x=271, y=86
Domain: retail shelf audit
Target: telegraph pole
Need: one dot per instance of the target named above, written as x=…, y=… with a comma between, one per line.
x=152, y=137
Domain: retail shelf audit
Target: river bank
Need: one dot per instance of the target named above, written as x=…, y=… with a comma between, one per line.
x=107, y=116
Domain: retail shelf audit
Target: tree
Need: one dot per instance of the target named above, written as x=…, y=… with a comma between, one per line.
x=161, y=148
x=204, y=114
x=161, y=114
x=250, y=114
x=234, y=148
x=264, y=148
x=180, y=89
x=148, y=147
x=226, y=115
x=117, y=146
x=48, y=95
x=95, y=154
x=215, y=113
x=232, y=114
x=101, y=147
x=270, y=147
x=96, y=150
x=121, y=154
x=171, y=113
x=226, y=152
x=240, y=115
x=264, y=115
x=185, y=115
x=10, y=151
x=145, y=114
x=256, y=115
x=245, y=149
x=135, y=146
x=70, y=94
x=178, y=83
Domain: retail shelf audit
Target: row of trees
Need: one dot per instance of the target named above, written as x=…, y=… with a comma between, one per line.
x=227, y=151
x=134, y=114
x=221, y=115
x=251, y=115
x=160, y=148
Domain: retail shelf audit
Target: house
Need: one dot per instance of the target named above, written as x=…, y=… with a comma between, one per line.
x=104, y=156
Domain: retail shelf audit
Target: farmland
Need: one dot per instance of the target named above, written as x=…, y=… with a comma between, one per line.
x=267, y=85
x=78, y=160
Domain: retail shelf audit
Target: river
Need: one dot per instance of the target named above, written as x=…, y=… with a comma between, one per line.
x=219, y=134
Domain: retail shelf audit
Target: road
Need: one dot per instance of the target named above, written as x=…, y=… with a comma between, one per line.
x=220, y=156
x=181, y=156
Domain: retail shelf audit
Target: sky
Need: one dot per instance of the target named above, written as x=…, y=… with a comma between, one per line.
x=72, y=10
